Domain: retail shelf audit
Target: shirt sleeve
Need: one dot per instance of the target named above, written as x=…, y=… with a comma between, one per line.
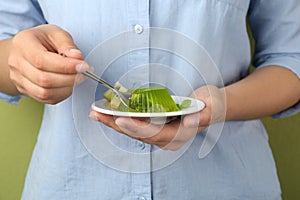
x=275, y=27
x=16, y=16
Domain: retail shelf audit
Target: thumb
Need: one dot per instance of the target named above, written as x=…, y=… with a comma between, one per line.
x=72, y=53
x=64, y=43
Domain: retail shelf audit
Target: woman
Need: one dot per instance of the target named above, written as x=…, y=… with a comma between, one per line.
x=238, y=163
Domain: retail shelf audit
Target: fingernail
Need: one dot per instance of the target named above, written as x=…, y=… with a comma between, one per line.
x=82, y=67
x=75, y=51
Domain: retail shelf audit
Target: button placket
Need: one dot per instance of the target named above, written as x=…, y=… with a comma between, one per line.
x=138, y=59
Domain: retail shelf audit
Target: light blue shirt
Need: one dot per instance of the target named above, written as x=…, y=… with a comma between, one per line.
x=67, y=162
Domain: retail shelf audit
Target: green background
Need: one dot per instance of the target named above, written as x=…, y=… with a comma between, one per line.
x=19, y=125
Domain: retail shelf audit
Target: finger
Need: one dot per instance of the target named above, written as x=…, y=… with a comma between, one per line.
x=163, y=136
x=61, y=41
x=108, y=120
x=192, y=120
x=172, y=136
x=72, y=53
x=45, y=95
x=45, y=79
x=169, y=136
x=41, y=48
x=64, y=44
x=82, y=68
x=138, y=128
x=53, y=62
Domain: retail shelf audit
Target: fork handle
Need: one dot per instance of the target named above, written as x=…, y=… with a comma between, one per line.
x=96, y=78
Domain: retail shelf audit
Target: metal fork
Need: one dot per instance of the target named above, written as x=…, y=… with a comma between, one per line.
x=122, y=95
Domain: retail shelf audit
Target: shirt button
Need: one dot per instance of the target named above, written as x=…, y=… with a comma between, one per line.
x=138, y=29
x=141, y=145
x=141, y=198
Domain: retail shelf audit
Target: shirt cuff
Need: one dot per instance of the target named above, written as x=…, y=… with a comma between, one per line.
x=292, y=63
x=10, y=99
x=288, y=112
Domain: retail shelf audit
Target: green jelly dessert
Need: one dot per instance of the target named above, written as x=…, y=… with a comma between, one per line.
x=152, y=99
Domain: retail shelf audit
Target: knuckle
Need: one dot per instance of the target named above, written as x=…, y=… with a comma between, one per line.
x=44, y=94
x=18, y=39
x=11, y=60
x=21, y=89
x=16, y=79
x=44, y=81
x=39, y=61
x=12, y=76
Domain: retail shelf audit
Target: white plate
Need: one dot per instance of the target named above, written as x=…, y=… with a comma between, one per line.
x=196, y=105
